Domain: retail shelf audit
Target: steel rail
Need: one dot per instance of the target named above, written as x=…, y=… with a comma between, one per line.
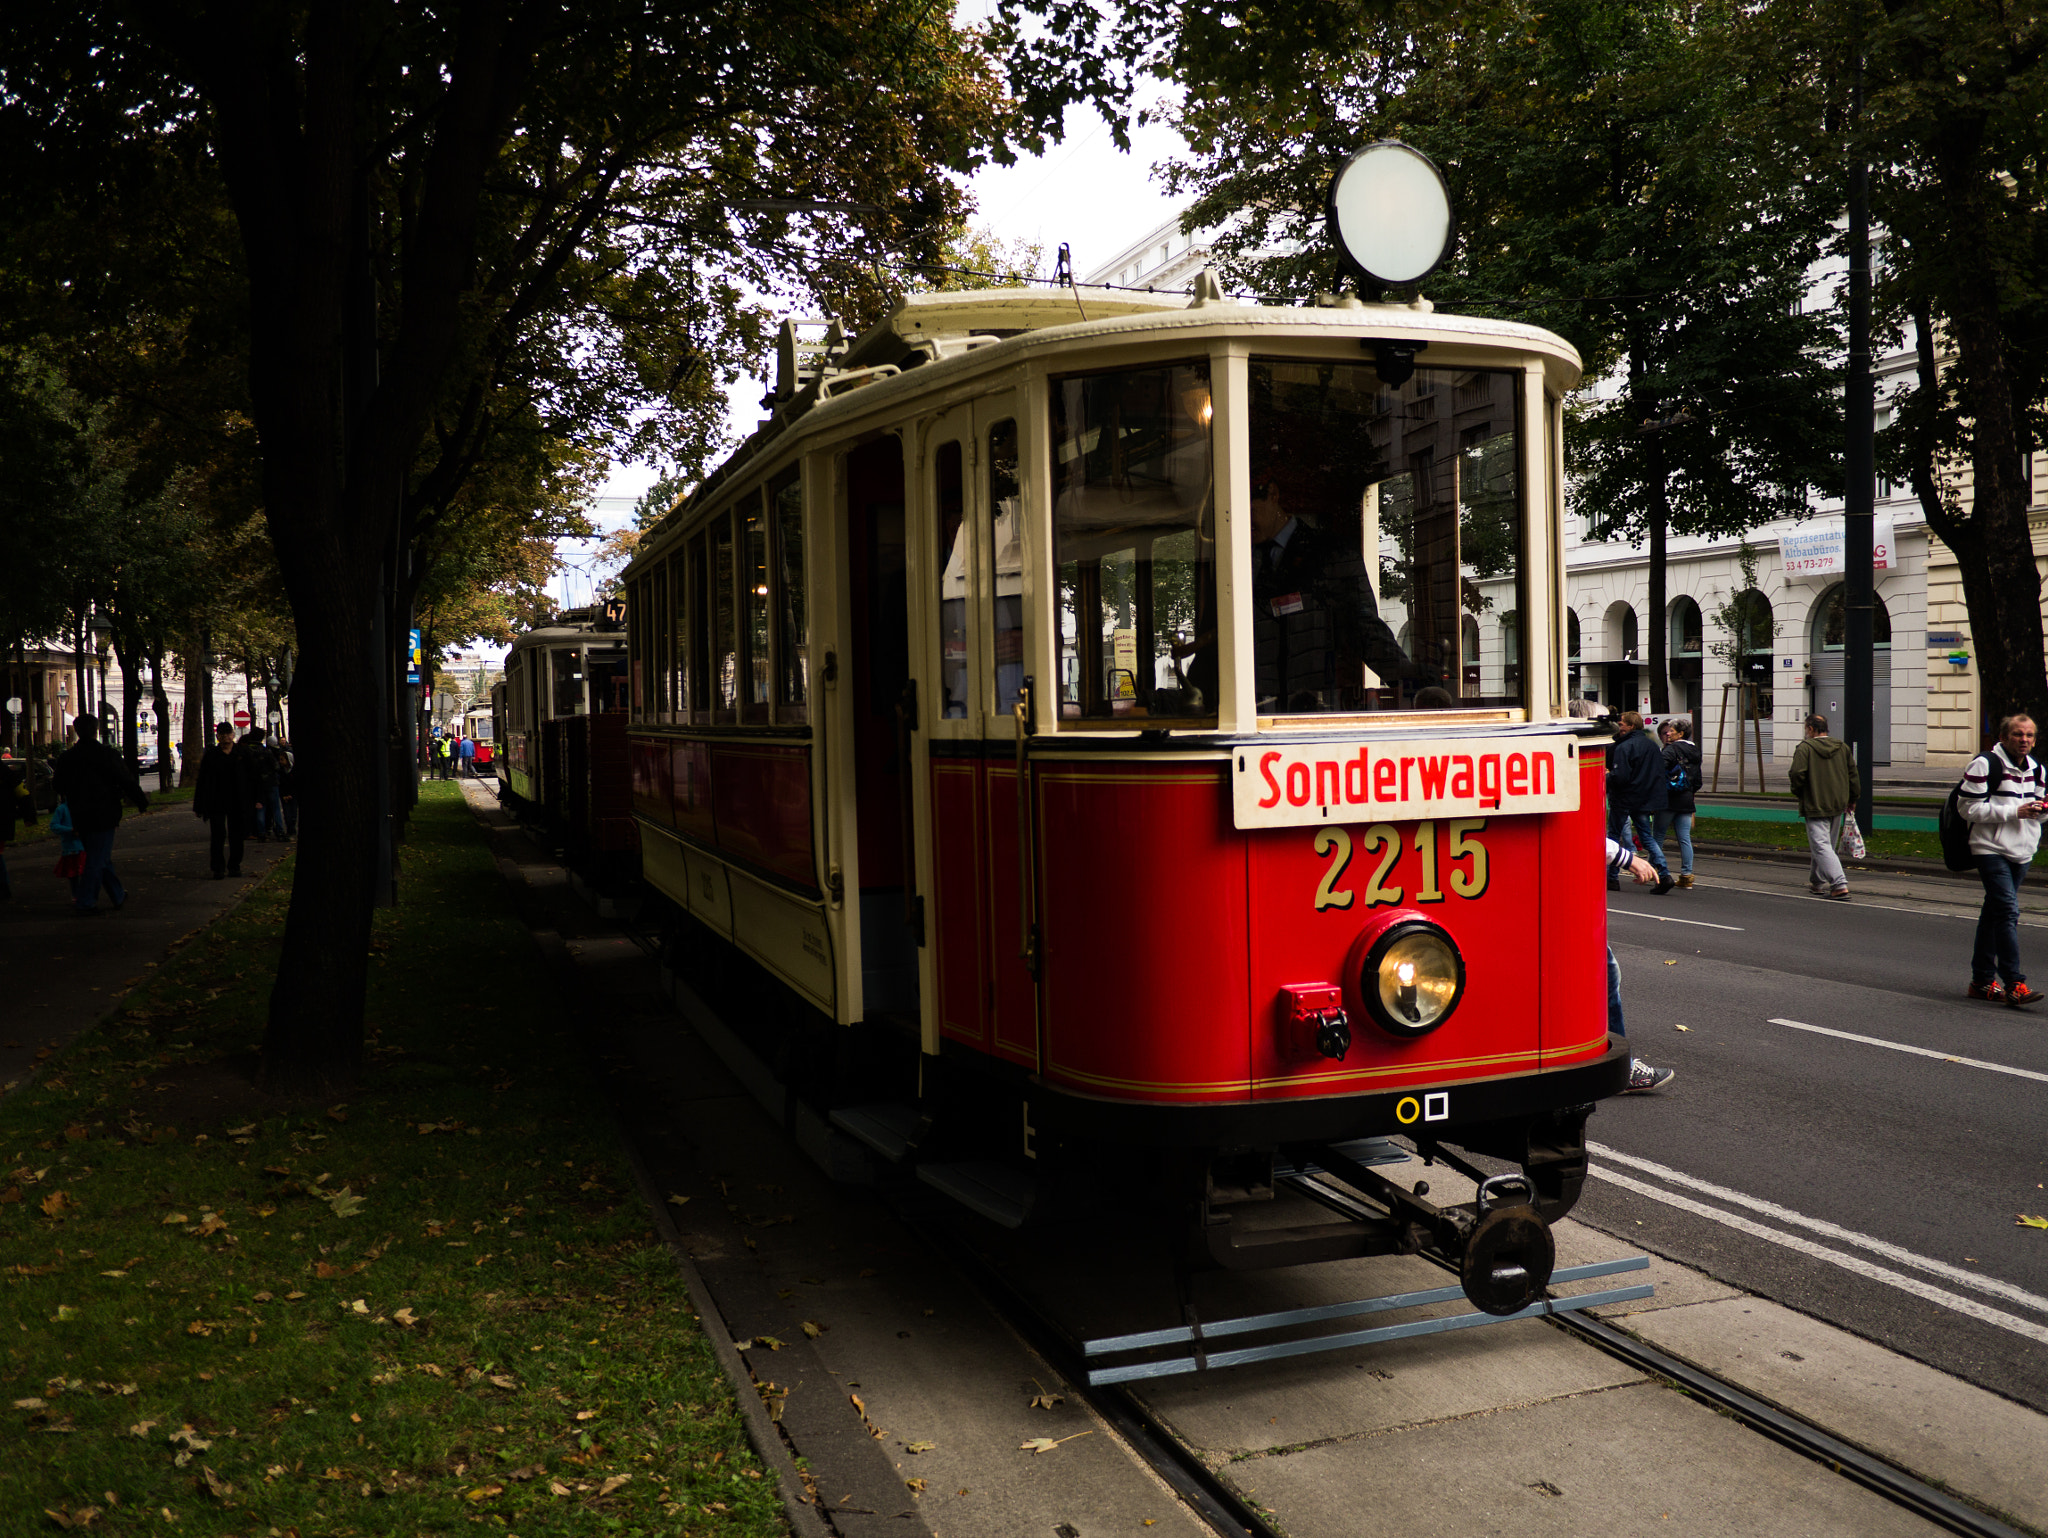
x=1207, y=1496
x=1229, y=1514
x=1788, y=1430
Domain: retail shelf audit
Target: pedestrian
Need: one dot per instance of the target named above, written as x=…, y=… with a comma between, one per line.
x=467, y=748
x=225, y=798
x=268, y=822
x=1636, y=793
x=16, y=801
x=1681, y=783
x=287, y=796
x=1641, y=1076
x=440, y=755
x=1826, y=787
x=94, y=780
x=2001, y=799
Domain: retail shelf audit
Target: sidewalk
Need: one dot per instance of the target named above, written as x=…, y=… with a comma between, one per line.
x=907, y=1400
x=64, y=972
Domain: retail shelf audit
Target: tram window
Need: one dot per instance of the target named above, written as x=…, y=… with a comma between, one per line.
x=1379, y=511
x=568, y=682
x=725, y=689
x=658, y=641
x=792, y=657
x=1006, y=547
x=677, y=659
x=701, y=649
x=754, y=577
x=1134, y=543
x=950, y=487
x=636, y=639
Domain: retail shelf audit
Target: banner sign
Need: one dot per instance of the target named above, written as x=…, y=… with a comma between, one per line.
x=1302, y=784
x=1819, y=549
x=412, y=660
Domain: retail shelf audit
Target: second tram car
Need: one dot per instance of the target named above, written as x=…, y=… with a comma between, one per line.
x=1121, y=720
x=559, y=744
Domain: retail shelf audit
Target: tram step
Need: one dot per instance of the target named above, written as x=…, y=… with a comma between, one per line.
x=1001, y=1195
x=886, y=1126
x=1364, y=1150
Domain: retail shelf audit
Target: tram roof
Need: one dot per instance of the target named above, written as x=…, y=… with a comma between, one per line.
x=944, y=329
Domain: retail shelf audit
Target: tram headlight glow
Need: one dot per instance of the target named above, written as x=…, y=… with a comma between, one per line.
x=1412, y=979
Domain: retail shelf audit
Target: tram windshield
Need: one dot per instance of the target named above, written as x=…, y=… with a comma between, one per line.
x=1134, y=533
x=1386, y=531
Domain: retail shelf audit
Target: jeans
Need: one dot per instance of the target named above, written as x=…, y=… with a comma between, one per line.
x=269, y=813
x=1682, y=821
x=1616, y=1026
x=1998, y=922
x=99, y=873
x=1824, y=867
x=1646, y=829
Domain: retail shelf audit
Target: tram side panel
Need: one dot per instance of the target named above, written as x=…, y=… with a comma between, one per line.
x=1572, y=920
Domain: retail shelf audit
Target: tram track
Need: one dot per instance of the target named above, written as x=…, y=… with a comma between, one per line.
x=1226, y=1511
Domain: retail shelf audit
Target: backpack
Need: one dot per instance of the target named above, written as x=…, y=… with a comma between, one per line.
x=1684, y=774
x=1955, y=831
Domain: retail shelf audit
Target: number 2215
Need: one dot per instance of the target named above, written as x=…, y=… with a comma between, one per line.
x=1384, y=840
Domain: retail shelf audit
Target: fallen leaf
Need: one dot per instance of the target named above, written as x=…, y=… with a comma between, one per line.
x=65, y=1313
x=556, y=1487
x=176, y=1217
x=293, y=1297
x=2027, y=1222
x=484, y=1492
x=677, y=1201
x=31, y=1404
x=54, y=1204
x=142, y=1428
x=919, y=1447
x=499, y=1380
x=614, y=1483
x=586, y=1415
x=216, y=1487
x=193, y=1441
x=1047, y=1444
x=916, y=1486
x=242, y=1131
x=343, y=1203
x=813, y=1329
x=769, y=1341
x=406, y=1317
x=117, y=1275
x=1681, y=1028
x=209, y=1223
x=1671, y=963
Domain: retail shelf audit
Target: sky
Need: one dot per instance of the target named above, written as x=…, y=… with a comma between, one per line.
x=1083, y=191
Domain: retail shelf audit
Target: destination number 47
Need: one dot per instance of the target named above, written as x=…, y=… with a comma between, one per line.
x=1464, y=860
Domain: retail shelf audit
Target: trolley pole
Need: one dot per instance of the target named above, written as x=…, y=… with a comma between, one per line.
x=1859, y=495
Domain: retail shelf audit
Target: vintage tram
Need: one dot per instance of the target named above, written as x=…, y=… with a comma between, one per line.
x=558, y=740
x=1127, y=719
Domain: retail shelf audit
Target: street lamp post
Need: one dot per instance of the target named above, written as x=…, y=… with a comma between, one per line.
x=102, y=637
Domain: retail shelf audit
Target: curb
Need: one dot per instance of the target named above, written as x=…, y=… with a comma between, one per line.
x=1897, y=865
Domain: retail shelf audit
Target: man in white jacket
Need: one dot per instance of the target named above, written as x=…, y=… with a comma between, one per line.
x=2001, y=799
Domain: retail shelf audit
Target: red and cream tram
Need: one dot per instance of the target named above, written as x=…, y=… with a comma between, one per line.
x=1146, y=719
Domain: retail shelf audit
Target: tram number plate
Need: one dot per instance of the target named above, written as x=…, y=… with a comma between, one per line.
x=1455, y=861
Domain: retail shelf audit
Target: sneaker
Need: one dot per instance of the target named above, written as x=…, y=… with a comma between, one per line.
x=1665, y=883
x=1685, y=880
x=2019, y=994
x=1992, y=992
x=1643, y=1078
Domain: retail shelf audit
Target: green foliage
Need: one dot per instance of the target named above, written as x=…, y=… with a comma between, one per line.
x=483, y=1326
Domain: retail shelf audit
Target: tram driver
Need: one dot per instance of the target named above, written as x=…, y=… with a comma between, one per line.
x=1314, y=616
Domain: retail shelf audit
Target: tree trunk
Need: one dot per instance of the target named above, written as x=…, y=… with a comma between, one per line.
x=166, y=756
x=198, y=714
x=1660, y=630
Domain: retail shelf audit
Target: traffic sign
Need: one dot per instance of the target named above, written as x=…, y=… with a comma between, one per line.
x=14, y=704
x=241, y=718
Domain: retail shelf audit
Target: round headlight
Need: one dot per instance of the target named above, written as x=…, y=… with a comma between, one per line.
x=1412, y=979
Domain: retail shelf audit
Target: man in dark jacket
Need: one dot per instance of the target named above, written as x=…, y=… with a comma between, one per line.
x=1635, y=792
x=15, y=801
x=223, y=798
x=94, y=780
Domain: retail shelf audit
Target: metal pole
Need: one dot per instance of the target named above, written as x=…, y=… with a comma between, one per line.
x=1859, y=495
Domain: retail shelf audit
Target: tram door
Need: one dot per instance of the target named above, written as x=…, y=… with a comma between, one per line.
x=880, y=602
x=969, y=518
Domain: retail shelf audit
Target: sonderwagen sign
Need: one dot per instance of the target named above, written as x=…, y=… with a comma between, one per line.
x=1296, y=784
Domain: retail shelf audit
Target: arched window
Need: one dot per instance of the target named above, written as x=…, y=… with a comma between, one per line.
x=1571, y=634
x=1832, y=621
x=1688, y=630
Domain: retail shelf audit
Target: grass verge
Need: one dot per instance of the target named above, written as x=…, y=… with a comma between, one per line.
x=1883, y=843
x=436, y=1307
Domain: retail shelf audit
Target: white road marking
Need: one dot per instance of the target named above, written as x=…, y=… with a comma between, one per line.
x=1900, y=1046
x=1941, y=1268
x=1632, y=913
x=1855, y=1263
